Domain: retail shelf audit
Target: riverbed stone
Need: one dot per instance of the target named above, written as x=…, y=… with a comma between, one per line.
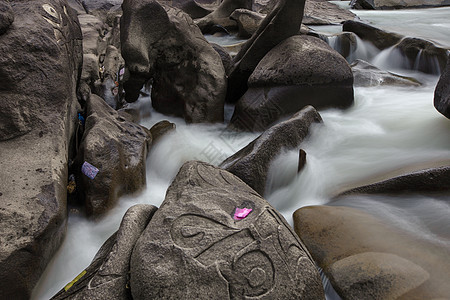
x=161, y=129
x=196, y=246
x=107, y=277
x=252, y=162
x=435, y=180
x=301, y=70
x=376, y=275
x=442, y=92
x=281, y=23
x=380, y=38
x=188, y=75
x=221, y=15
x=118, y=149
x=248, y=22
x=398, y=4
x=323, y=12
x=366, y=74
x=337, y=236
x=40, y=64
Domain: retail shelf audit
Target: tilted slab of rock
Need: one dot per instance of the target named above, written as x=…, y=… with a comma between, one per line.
x=248, y=21
x=204, y=243
x=335, y=235
x=163, y=43
x=118, y=149
x=365, y=74
x=284, y=21
x=380, y=38
x=300, y=71
x=192, y=7
x=107, y=277
x=435, y=180
x=252, y=162
x=322, y=12
x=40, y=63
x=398, y=4
x=442, y=92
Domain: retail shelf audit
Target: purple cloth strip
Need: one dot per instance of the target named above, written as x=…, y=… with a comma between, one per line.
x=241, y=213
x=89, y=170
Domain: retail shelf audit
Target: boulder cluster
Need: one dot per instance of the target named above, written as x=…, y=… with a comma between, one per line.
x=69, y=135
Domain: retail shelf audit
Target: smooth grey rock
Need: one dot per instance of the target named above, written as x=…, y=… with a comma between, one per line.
x=40, y=64
x=284, y=21
x=248, y=22
x=107, y=277
x=345, y=43
x=380, y=38
x=188, y=75
x=300, y=71
x=375, y=275
x=101, y=5
x=161, y=128
x=118, y=149
x=193, y=8
x=435, y=180
x=252, y=162
x=221, y=15
x=224, y=56
x=398, y=4
x=6, y=16
x=442, y=92
x=193, y=248
x=365, y=74
x=322, y=12
x=334, y=233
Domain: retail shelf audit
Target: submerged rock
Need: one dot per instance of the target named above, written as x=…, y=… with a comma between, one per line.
x=398, y=4
x=163, y=43
x=284, y=21
x=252, y=162
x=442, y=92
x=300, y=71
x=344, y=239
x=118, y=149
x=107, y=277
x=40, y=63
x=215, y=238
x=365, y=74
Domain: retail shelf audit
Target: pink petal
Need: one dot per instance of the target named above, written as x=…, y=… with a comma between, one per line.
x=241, y=213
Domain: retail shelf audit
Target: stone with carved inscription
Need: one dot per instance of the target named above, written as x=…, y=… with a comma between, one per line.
x=215, y=238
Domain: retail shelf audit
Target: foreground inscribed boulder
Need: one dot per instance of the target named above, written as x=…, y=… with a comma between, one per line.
x=40, y=63
x=195, y=246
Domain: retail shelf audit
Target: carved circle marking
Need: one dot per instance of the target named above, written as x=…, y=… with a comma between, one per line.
x=257, y=277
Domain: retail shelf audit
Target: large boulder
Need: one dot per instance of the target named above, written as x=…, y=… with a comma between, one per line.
x=385, y=262
x=366, y=74
x=40, y=64
x=215, y=238
x=300, y=71
x=118, y=149
x=107, y=277
x=442, y=92
x=322, y=12
x=221, y=15
x=284, y=21
x=398, y=4
x=6, y=16
x=252, y=162
x=188, y=75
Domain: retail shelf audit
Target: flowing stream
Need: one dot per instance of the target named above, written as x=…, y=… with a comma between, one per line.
x=387, y=129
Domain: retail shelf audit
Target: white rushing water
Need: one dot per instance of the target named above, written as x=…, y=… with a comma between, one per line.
x=388, y=128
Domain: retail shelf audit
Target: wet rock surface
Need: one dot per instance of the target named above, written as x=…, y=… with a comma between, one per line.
x=248, y=22
x=40, y=64
x=252, y=162
x=188, y=75
x=442, y=92
x=221, y=15
x=107, y=277
x=340, y=238
x=118, y=149
x=281, y=23
x=398, y=4
x=380, y=38
x=314, y=74
x=199, y=244
x=322, y=12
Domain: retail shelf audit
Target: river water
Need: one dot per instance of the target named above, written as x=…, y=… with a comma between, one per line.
x=387, y=129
